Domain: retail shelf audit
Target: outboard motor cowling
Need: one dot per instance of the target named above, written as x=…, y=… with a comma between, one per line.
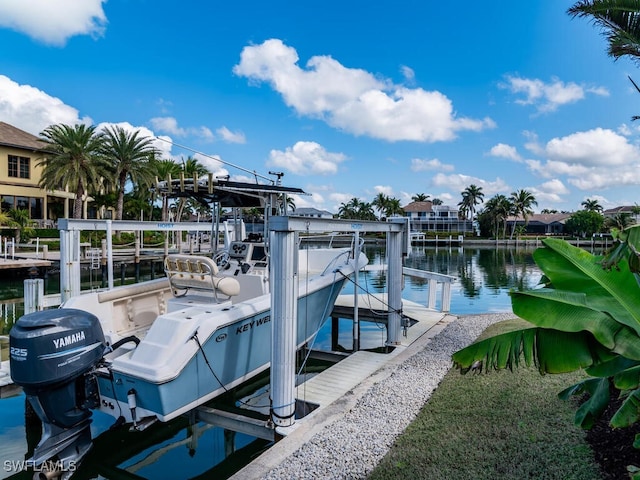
x=53, y=346
x=52, y=355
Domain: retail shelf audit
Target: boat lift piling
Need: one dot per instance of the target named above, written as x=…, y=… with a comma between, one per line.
x=283, y=233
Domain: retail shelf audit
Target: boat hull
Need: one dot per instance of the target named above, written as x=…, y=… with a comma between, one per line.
x=232, y=354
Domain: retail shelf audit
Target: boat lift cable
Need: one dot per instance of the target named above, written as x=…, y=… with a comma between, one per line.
x=325, y=314
x=224, y=162
x=206, y=360
x=366, y=290
x=374, y=312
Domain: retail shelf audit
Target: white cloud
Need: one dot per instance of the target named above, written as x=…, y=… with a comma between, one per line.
x=533, y=144
x=458, y=182
x=547, y=97
x=54, y=22
x=549, y=192
x=406, y=198
x=591, y=160
x=214, y=165
x=313, y=200
x=386, y=189
x=306, y=158
x=352, y=99
x=169, y=125
x=554, y=186
x=231, y=137
x=32, y=110
x=421, y=165
x=502, y=150
x=408, y=74
x=597, y=147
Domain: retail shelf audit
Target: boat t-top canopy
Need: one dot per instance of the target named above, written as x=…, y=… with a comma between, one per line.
x=208, y=190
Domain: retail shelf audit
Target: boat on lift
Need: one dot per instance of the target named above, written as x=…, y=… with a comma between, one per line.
x=158, y=349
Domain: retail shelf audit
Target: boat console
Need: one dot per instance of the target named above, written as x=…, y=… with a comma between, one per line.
x=248, y=252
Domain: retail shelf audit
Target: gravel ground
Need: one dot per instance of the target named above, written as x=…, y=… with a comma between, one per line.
x=350, y=446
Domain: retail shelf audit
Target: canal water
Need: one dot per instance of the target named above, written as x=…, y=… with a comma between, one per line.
x=178, y=450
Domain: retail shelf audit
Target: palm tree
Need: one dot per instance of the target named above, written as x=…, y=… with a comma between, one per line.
x=436, y=201
x=471, y=196
x=592, y=205
x=357, y=210
x=347, y=210
x=191, y=168
x=522, y=201
x=381, y=202
x=130, y=156
x=498, y=208
x=620, y=22
x=394, y=207
x=619, y=221
x=72, y=158
x=21, y=223
x=420, y=197
x=165, y=170
x=5, y=219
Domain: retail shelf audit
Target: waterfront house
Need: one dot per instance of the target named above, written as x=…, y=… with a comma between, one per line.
x=630, y=210
x=541, y=223
x=427, y=217
x=311, y=213
x=20, y=175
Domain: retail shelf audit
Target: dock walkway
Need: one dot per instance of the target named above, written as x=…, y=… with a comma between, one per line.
x=337, y=389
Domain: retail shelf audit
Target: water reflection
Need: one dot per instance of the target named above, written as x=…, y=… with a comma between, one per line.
x=484, y=276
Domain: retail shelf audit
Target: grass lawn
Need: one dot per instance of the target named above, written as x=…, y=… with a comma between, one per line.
x=499, y=425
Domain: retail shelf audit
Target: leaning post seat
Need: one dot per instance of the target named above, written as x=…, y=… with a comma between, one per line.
x=187, y=272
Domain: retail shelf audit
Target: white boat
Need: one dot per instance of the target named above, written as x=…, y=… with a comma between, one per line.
x=158, y=349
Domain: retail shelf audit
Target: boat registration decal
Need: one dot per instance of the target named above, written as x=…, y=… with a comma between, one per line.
x=245, y=327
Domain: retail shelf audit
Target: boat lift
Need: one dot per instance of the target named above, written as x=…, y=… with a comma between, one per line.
x=284, y=234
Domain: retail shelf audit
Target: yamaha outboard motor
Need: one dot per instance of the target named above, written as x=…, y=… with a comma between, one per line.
x=53, y=354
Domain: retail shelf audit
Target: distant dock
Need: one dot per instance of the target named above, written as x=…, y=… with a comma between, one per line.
x=19, y=263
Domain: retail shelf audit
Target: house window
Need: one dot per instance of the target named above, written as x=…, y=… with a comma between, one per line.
x=19, y=166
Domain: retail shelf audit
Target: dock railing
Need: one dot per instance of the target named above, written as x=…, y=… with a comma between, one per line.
x=434, y=279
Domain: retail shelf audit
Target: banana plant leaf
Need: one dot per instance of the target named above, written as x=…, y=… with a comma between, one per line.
x=627, y=414
x=616, y=366
x=572, y=269
x=573, y=312
x=586, y=315
x=591, y=310
x=627, y=379
x=593, y=407
x=628, y=248
x=552, y=351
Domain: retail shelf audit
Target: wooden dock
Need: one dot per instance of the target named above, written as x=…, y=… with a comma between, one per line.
x=333, y=383
x=19, y=263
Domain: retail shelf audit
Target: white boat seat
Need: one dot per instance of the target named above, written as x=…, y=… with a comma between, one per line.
x=187, y=272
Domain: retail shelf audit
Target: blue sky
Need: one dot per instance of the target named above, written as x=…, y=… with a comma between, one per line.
x=348, y=99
